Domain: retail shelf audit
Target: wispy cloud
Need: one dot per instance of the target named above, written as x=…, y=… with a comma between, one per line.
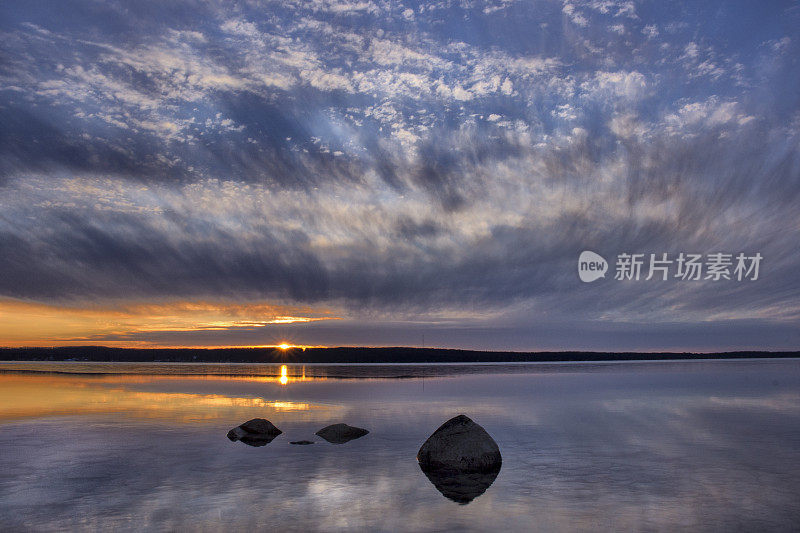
x=130, y=324
x=396, y=162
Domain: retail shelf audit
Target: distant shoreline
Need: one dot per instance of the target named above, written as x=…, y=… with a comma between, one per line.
x=353, y=355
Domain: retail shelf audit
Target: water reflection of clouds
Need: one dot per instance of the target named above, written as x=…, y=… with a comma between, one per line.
x=646, y=450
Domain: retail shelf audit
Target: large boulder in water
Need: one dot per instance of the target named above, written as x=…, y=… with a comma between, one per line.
x=460, y=444
x=341, y=433
x=255, y=432
x=461, y=459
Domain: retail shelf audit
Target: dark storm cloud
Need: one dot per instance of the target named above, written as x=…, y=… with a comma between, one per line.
x=31, y=142
x=400, y=160
x=122, y=255
x=95, y=253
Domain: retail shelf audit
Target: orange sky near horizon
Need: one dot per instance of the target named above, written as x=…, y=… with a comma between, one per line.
x=38, y=324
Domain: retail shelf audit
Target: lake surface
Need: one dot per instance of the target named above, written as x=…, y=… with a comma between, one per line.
x=700, y=445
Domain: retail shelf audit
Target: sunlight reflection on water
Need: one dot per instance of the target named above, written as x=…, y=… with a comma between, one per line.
x=36, y=396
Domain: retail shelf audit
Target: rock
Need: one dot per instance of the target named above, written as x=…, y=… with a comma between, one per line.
x=341, y=433
x=302, y=442
x=255, y=432
x=460, y=444
x=461, y=459
x=261, y=426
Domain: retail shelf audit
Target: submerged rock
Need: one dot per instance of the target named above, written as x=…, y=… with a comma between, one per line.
x=461, y=459
x=255, y=432
x=341, y=433
x=302, y=442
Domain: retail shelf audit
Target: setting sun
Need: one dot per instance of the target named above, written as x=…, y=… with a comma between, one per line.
x=284, y=346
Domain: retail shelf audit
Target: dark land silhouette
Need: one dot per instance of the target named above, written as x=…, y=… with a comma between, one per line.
x=349, y=355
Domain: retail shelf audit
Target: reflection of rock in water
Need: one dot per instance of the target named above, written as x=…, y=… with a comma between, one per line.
x=257, y=440
x=461, y=487
x=341, y=433
x=461, y=459
x=255, y=432
x=302, y=442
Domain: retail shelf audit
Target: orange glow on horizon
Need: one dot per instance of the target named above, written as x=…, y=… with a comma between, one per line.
x=127, y=325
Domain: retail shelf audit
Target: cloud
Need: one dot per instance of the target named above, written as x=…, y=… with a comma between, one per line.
x=711, y=113
x=651, y=31
x=348, y=156
x=607, y=86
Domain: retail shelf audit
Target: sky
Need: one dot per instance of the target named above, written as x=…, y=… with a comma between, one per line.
x=367, y=172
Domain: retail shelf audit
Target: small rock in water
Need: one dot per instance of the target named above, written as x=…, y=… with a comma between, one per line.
x=255, y=432
x=461, y=459
x=341, y=433
x=302, y=442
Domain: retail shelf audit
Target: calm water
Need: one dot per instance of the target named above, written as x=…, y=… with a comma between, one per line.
x=707, y=446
